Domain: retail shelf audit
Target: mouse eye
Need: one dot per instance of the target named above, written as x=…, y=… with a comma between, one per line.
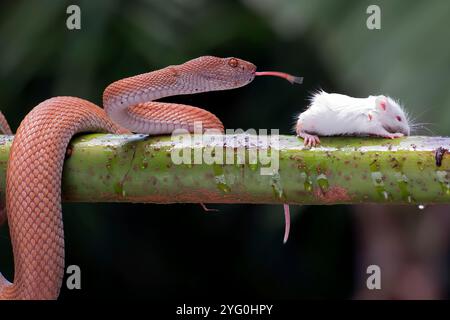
x=233, y=62
x=398, y=118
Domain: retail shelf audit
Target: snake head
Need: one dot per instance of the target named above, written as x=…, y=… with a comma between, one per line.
x=214, y=73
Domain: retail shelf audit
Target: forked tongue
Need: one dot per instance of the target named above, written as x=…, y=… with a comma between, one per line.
x=292, y=79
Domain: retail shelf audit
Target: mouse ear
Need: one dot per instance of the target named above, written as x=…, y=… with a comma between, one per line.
x=381, y=102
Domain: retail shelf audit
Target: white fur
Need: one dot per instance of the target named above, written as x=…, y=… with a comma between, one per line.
x=337, y=114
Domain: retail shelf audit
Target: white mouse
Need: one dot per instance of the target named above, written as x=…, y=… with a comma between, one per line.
x=331, y=114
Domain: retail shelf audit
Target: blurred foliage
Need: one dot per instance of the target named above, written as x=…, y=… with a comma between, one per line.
x=407, y=59
x=179, y=251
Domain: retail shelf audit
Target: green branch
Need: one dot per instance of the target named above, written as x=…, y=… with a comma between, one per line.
x=137, y=168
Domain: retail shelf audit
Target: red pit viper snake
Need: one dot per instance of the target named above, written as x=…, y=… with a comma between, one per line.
x=33, y=180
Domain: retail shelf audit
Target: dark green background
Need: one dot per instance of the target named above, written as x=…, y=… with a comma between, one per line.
x=179, y=251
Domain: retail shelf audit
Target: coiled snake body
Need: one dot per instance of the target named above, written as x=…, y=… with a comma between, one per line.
x=33, y=182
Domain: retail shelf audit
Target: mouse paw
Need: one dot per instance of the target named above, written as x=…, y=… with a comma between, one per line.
x=309, y=139
x=393, y=135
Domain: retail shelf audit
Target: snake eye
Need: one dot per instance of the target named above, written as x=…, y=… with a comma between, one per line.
x=233, y=63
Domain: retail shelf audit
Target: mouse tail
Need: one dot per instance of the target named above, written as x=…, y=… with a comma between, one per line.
x=287, y=222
